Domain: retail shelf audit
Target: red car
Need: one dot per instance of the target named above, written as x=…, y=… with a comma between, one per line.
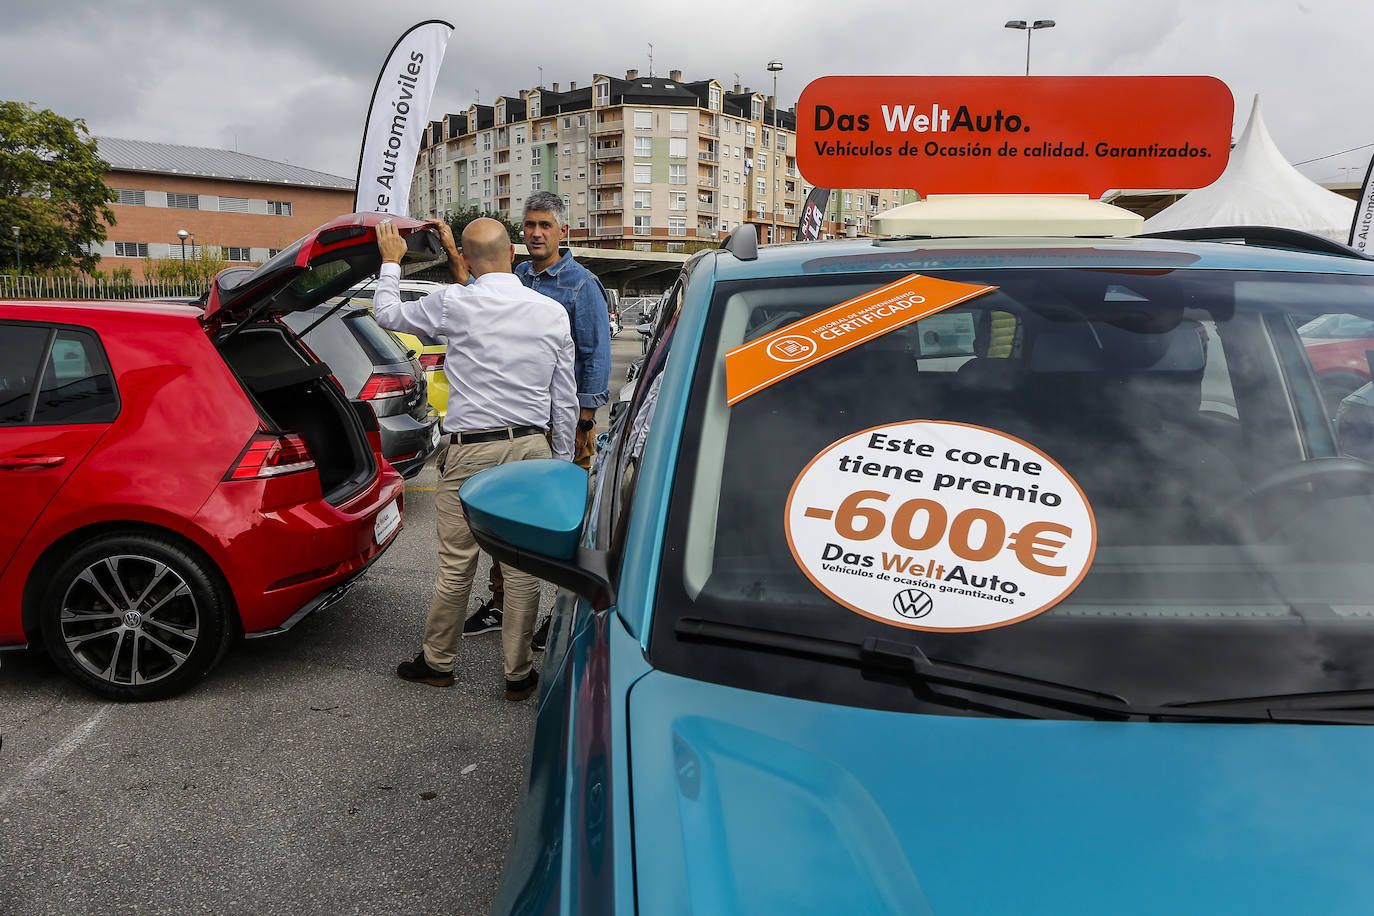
x=175, y=476
x=1338, y=346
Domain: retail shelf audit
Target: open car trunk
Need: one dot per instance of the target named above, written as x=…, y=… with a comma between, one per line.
x=293, y=392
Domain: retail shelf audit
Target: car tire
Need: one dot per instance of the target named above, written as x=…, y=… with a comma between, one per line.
x=136, y=617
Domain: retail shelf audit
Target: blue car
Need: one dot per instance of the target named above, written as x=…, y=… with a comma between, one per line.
x=961, y=576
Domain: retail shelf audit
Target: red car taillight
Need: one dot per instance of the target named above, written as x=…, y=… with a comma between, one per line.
x=432, y=362
x=269, y=455
x=387, y=385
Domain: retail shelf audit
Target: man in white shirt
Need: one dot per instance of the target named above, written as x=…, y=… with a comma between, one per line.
x=510, y=371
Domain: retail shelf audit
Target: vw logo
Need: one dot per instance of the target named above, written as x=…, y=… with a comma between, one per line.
x=912, y=603
x=791, y=349
x=132, y=619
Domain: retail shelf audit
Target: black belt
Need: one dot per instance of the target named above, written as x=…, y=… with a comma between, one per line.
x=493, y=435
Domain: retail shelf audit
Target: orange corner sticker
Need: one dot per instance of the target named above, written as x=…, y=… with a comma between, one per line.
x=759, y=363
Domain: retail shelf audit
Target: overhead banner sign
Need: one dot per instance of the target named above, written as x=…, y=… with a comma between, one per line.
x=759, y=363
x=1363, y=226
x=398, y=117
x=1015, y=134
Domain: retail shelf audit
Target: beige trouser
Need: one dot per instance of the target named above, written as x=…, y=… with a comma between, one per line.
x=582, y=459
x=458, y=561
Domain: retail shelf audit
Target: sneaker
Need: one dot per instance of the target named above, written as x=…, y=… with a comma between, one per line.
x=540, y=638
x=417, y=669
x=486, y=618
x=518, y=690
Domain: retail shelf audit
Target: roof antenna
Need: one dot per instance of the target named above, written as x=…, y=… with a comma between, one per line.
x=541, y=77
x=651, y=60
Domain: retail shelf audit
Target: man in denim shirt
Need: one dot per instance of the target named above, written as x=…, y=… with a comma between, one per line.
x=577, y=289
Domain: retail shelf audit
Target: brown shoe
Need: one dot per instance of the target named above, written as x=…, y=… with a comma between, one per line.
x=417, y=669
x=519, y=690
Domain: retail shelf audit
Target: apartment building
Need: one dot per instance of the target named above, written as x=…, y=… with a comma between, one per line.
x=246, y=206
x=648, y=163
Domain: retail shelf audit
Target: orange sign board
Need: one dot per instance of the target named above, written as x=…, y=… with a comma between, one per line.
x=1014, y=135
x=759, y=363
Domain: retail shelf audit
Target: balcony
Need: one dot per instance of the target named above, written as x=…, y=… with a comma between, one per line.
x=705, y=156
x=611, y=205
x=609, y=127
x=610, y=230
x=608, y=152
x=503, y=141
x=708, y=128
x=708, y=206
x=606, y=181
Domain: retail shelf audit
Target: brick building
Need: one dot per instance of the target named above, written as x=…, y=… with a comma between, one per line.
x=245, y=206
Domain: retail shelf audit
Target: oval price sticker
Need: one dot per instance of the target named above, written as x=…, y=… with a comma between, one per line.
x=940, y=526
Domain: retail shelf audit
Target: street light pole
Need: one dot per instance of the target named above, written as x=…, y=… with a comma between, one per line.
x=774, y=66
x=18, y=255
x=182, y=234
x=1028, y=28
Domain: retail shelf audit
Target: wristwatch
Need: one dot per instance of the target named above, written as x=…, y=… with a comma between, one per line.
x=586, y=424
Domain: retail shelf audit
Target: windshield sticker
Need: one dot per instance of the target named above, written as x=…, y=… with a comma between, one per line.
x=759, y=363
x=940, y=526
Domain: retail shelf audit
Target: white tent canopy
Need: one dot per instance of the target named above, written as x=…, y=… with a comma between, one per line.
x=1260, y=188
x=1007, y=214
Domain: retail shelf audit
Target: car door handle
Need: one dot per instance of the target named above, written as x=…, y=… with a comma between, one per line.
x=27, y=462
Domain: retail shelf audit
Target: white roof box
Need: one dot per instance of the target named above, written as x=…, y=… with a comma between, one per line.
x=962, y=215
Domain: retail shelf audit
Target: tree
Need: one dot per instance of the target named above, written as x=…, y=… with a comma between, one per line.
x=460, y=218
x=52, y=187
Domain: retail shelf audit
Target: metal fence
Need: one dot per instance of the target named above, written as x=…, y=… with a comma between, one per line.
x=29, y=287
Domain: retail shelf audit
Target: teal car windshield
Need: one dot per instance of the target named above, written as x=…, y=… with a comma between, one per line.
x=1228, y=481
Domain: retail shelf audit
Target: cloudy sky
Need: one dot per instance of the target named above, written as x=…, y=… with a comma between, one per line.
x=292, y=81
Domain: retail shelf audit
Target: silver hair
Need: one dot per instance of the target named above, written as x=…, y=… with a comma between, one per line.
x=549, y=202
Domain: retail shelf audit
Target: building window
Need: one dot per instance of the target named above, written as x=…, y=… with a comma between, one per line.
x=235, y=253
x=644, y=200
x=486, y=187
x=756, y=110
x=486, y=140
x=677, y=147
x=537, y=156
x=760, y=162
x=567, y=123
x=762, y=187
x=501, y=113
x=644, y=246
x=677, y=121
x=131, y=249
x=486, y=165
x=582, y=120
x=272, y=253
x=519, y=135
x=782, y=142
x=537, y=181
x=534, y=106
x=644, y=119
x=677, y=174
x=185, y=201
x=643, y=225
x=677, y=225
x=279, y=208
x=603, y=93
x=131, y=198
x=643, y=174
x=715, y=99
x=679, y=200
x=644, y=146
x=750, y=133
x=767, y=137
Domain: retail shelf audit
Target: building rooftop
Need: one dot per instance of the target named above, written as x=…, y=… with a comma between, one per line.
x=201, y=162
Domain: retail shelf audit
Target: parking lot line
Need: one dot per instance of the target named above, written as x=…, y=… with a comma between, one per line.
x=52, y=758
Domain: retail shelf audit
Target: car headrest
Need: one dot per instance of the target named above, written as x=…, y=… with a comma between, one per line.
x=1098, y=347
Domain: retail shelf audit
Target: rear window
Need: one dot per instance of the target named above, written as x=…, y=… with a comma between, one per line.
x=1223, y=457
x=65, y=367
x=380, y=346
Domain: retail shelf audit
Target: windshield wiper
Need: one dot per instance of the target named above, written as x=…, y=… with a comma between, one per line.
x=905, y=663
x=885, y=659
x=1334, y=706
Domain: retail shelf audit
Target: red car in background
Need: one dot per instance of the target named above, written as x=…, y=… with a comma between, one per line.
x=1337, y=345
x=176, y=476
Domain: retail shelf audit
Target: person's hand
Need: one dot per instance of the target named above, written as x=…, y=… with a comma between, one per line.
x=580, y=442
x=389, y=242
x=457, y=268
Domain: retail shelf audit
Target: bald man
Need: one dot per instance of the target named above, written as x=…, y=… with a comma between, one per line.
x=510, y=372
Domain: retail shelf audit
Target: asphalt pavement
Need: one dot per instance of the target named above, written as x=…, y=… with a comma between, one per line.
x=302, y=776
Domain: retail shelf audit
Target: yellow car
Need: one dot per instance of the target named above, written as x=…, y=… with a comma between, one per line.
x=430, y=351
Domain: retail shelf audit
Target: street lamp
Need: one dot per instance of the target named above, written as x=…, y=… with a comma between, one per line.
x=774, y=66
x=18, y=257
x=182, y=234
x=1021, y=24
